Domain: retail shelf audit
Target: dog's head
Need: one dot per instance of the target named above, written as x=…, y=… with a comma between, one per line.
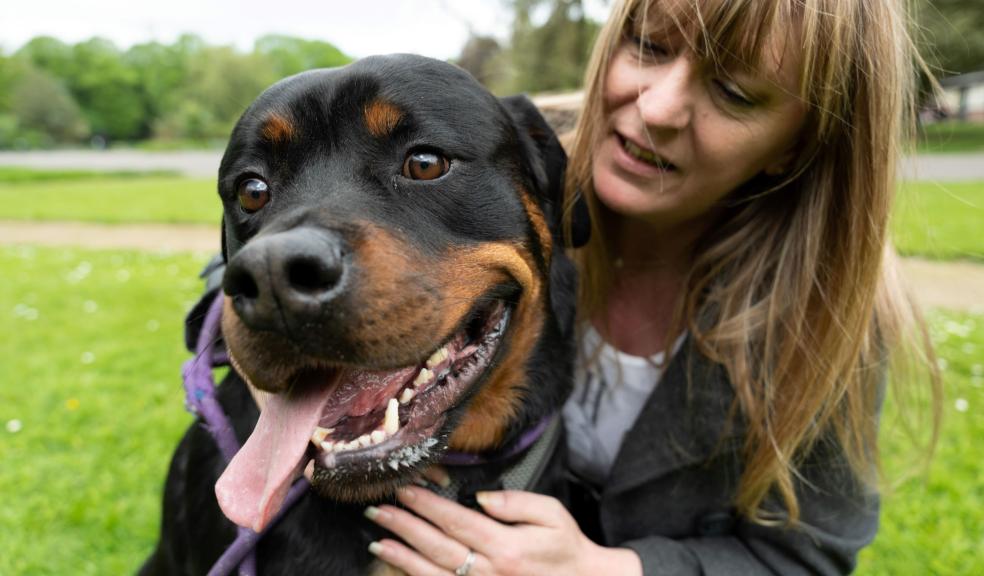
x=395, y=265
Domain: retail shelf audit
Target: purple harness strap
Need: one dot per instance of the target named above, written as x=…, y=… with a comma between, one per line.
x=199, y=385
x=525, y=441
x=200, y=399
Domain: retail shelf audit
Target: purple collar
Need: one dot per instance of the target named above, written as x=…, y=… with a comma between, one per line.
x=199, y=384
x=527, y=439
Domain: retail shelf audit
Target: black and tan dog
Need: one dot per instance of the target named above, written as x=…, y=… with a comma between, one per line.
x=396, y=287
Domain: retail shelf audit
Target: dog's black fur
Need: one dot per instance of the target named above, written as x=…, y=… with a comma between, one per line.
x=332, y=147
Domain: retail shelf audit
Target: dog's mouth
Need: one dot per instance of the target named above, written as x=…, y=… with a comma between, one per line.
x=389, y=418
x=367, y=426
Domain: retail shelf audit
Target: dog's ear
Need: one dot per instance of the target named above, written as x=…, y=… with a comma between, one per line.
x=212, y=274
x=225, y=251
x=548, y=163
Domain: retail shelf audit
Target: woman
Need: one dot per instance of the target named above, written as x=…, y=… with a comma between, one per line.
x=739, y=158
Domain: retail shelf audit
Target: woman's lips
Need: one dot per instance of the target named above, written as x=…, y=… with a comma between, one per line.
x=638, y=160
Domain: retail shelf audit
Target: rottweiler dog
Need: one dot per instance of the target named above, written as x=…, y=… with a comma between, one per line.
x=396, y=287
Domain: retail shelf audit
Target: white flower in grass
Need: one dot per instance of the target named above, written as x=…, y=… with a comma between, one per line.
x=26, y=312
x=961, y=405
x=79, y=273
x=14, y=426
x=942, y=364
x=123, y=275
x=153, y=325
x=957, y=329
x=88, y=358
x=90, y=306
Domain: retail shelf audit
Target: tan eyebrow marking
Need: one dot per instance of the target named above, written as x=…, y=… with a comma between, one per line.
x=381, y=117
x=277, y=128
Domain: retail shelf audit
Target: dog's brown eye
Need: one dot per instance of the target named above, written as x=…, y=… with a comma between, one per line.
x=253, y=194
x=425, y=166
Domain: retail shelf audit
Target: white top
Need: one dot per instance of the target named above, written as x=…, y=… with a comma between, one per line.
x=610, y=389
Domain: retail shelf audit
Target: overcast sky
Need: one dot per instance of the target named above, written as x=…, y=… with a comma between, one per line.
x=436, y=28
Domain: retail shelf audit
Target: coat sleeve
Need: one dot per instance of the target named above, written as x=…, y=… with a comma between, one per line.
x=838, y=517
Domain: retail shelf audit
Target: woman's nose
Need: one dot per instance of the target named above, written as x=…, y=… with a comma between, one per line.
x=666, y=95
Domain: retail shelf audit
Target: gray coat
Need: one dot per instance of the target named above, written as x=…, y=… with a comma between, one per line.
x=669, y=492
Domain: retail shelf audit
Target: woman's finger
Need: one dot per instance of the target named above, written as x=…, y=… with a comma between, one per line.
x=515, y=506
x=472, y=529
x=433, y=544
x=399, y=556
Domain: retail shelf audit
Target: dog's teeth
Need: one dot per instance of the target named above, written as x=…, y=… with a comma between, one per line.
x=320, y=434
x=394, y=464
x=392, y=422
x=377, y=436
x=327, y=446
x=407, y=395
x=437, y=357
x=364, y=441
x=424, y=377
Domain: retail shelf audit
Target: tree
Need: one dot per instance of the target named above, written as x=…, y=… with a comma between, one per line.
x=550, y=56
x=952, y=35
x=481, y=56
x=42, y=104
x=160, y=73
x=107, y=90
x=288, y=55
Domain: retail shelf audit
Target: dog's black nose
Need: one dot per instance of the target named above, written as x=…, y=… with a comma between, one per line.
x=284, y=280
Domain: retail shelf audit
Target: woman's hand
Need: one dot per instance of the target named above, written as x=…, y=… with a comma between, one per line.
x=543, y=538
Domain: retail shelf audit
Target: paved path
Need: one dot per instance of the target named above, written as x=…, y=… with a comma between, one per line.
x=944, y=167
x=953, y=285
x=205, y=163
x=194, y=163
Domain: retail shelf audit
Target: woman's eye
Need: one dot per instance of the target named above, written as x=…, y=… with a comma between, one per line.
x=425, y=166
x=733, y=93
x=253, y=194
x=647, y=47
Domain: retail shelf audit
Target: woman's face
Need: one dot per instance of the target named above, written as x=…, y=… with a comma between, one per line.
x=680, y=135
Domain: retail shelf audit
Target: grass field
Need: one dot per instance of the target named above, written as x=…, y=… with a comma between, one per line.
x=91, y=407
x=107, y=198
x=939, y=221
x=90, y=400
x=951, y=137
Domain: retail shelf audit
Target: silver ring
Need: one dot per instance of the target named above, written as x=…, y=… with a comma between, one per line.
x=466, y=566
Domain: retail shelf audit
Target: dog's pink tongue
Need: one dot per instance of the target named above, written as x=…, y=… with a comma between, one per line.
x=256, y=482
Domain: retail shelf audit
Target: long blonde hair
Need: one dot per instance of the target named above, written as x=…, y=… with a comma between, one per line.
x=794, y=289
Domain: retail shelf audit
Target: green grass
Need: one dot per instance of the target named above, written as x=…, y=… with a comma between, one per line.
x=18, y=175
x=932, y=220
x=931, y=524
x=941, y=221
x=89, y=367
x=111, y=199
x=951, y=137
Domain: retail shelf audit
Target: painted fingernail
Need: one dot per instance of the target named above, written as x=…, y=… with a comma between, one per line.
x=440, y=476
x=374, y=513
x=489, y=499
x=375, y=548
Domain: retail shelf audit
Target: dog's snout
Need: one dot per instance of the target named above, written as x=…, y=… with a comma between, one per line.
x=313, y=275
x=285, y=280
